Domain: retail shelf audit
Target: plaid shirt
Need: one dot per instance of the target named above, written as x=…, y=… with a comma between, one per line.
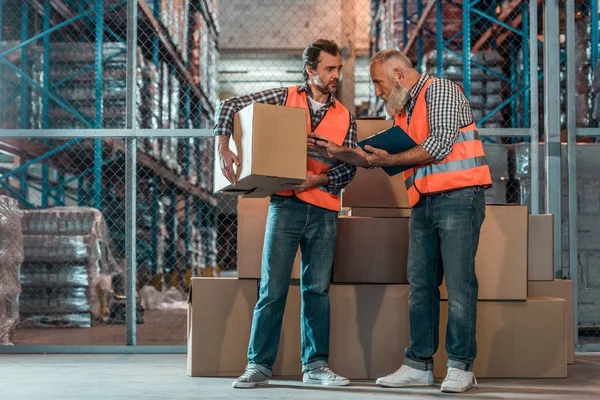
x=448, y=110
x=339, y=176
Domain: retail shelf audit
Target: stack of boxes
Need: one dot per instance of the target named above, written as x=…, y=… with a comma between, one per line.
x=525, y=317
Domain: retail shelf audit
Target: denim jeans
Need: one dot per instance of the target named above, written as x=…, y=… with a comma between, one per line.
x=444, y=235
x=291, y=222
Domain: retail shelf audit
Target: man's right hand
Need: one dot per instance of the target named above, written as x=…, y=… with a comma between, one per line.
x=227, y=159
x=328, y=149
x=323, y=146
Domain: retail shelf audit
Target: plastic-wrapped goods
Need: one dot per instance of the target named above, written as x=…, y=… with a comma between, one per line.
x=164, y=96
x=77, y=222
x=54, y=300
x=55, y=275
x=195, y=62
x=61, y=249
x=61, y=221
x=11, y=258
x=63, y=252
x=66, y=254
x=152, y=82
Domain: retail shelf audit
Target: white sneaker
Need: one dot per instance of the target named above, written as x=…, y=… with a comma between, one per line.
x=407, y=376
x=458, y=381
x=324, y=376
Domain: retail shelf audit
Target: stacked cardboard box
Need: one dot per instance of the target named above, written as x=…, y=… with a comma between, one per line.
x=518, y=309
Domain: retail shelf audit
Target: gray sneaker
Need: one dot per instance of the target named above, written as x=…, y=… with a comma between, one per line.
x=324, y=376
x=251, y=378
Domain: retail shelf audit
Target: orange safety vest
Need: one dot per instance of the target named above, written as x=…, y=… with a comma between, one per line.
x=334, y=127
x=465, y=166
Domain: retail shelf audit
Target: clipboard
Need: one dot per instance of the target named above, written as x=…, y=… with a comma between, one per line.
x=394, y=140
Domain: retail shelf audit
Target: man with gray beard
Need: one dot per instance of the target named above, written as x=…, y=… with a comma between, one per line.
x=446, y=193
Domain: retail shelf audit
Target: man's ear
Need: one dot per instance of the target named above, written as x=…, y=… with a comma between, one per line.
x=310, y=71
x=398, y=75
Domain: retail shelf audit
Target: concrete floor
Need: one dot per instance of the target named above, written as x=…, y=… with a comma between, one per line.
x=122, y=377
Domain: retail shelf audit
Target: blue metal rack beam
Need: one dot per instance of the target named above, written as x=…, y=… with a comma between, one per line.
x=594, y=31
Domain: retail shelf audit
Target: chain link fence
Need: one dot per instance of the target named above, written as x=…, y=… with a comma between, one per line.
x=64, y=66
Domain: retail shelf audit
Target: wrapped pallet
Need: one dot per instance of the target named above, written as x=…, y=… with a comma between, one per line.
x=11, y=257
x=68, y=267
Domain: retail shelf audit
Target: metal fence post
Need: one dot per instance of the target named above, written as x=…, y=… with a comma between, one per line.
x=572, y=159
x=131, y=175
x=534, y=99
x=552, y=125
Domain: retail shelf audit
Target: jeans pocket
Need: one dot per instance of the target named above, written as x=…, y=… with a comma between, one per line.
x=277, y=200
x=468, y=193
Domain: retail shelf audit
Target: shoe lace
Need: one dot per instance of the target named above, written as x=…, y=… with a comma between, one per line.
x=458, y=374
x=401, y=371
x=249, y=373
x=328, y=372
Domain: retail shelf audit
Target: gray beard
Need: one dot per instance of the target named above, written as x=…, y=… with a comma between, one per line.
x=396, y=101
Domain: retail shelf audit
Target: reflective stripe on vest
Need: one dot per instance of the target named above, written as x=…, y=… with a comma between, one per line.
x=334, y=126
x=446, y=167
x=466, y=136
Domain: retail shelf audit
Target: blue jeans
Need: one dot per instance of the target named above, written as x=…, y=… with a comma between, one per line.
x=444, y=235
x=291, y=222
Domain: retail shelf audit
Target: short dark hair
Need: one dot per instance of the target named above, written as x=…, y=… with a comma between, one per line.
x=311, y=54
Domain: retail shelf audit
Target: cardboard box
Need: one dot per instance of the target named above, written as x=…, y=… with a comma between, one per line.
x=369, y=329
x=379, y=212
x=288, y=362
x=562, y=289
x=371, y=250
x=218, y=326
x=270, y=142
x=514, y=339
x=501, y=260
x=252, y=221
x=541, y=243
x=373, y=187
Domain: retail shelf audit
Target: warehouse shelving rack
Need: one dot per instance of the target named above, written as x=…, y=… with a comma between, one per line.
x=86, y=21
x=476, y=24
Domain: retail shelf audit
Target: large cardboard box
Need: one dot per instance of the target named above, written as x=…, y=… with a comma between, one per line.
x=562, y=289
x=514, y=339
x=270, y=142
x=252, y=222
x=369, y=329
x=373, y=187
x=501, y=260
x=371, y=250
x=541, y=243
x=218, y=326
x=379, y=212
